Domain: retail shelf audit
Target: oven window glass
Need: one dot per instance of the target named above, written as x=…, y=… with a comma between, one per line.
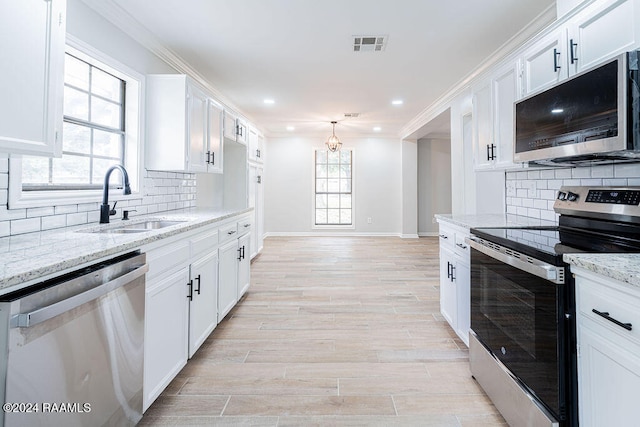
x=517, y=316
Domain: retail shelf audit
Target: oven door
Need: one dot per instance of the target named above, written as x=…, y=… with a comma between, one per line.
x=519, y=317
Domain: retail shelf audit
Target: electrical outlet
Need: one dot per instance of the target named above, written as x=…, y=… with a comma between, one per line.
x=369, y=220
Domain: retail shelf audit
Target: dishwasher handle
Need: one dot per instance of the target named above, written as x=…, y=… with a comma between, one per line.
x=26, y=320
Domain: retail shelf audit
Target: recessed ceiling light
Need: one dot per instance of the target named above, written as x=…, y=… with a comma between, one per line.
x=557, y=110
x=397, y=102
x=290, y=128
x=377, y=129
x=269, y=101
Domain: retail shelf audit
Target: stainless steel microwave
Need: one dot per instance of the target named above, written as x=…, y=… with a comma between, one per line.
x=593, y=117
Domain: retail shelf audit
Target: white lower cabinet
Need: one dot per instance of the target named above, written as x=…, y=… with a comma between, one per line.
x=203, y=292
x=608, y=350
x=235, y=264
x=455, y=299
x=166, y=318
x=228, y=289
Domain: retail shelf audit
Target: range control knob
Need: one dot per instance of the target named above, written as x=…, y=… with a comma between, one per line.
x=572, y=197
x=562, y=195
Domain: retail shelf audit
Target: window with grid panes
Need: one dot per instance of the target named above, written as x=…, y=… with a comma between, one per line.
x=93, y=132
x=333, y=187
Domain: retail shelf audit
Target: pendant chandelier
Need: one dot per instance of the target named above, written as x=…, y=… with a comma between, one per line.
x=333, y=143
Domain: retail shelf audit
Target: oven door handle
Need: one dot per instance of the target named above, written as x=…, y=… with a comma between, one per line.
x=538, y=268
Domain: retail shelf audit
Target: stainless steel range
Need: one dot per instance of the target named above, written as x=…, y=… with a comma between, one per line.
x=522, y=343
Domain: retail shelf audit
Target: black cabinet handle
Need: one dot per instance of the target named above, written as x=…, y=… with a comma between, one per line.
x=198, y=288
x=460, y=245
x=488, y=153
x=605, y=315
x=493, y=151
x=190, y=285
x=556, y=65
x=444, y=236
x=449, y=270
x=231, y=232
x=208, y=157
x=573, y=56
x=239, y=254
x=213, y=158
x=453, y=276
x=259, y=179
x=258, y=153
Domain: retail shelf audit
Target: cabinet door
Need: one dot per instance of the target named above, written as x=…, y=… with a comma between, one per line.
x=609, y=380
x=203, y=307
x=484, y=148
x=260, y=151
x=448, y=305
x=244, y=264
x=241, y=132
x=602, y=31
x=505, y=89
x=197, y=130
x=229, y=126
x=165, y=332
x=253, y=145
x=214, y=154
x=32, y=37
x=545, y=63
x=253, y=188
x=228, y=278
x=258, y=229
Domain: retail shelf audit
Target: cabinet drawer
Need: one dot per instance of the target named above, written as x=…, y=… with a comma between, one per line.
x=616, y=310
x=245, y=225
x=166, y=258
x=204, y=242
x=446, y=237
x=228, y=232
x=461, y=246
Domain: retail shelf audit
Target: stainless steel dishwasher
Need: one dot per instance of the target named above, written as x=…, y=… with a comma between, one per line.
x=73, y=347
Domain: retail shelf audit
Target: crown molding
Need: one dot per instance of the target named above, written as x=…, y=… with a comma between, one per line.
x=123, y=20
x=531, y=30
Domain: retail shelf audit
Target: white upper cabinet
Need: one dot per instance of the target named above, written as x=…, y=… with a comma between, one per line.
x=214, y=152
x=483, y=146
x=32, y=38
x=544, y=63
x=234, y=128
x=601, y=31
x=593, y=35
x=255, y=143
x=505, y=86
x=180, y=124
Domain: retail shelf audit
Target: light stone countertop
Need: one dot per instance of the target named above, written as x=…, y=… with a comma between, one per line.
x=622, y=267
x=25, y=258
x=492, y=220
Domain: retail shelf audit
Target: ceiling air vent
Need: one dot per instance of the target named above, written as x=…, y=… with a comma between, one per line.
x=351, y=115
x=369, y=43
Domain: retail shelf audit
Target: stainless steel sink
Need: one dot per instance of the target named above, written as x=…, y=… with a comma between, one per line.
x=140, y=227
x=150, y=225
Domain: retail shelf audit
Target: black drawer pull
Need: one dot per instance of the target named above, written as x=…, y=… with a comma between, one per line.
x=460, y=245
x=444, y=236
x=605, y=314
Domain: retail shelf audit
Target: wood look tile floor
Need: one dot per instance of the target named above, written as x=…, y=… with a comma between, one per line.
x=334, y=331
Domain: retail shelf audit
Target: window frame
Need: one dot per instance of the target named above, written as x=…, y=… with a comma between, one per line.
x=315, y=226
x=133, y=140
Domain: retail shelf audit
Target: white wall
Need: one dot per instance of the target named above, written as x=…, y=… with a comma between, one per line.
x=434, y=183
x=377, y=185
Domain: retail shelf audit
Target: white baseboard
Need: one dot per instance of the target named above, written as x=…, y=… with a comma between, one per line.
x=409, y=236
x=328, y=234
x=428, y=234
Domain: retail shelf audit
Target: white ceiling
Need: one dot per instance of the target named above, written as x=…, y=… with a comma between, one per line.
x=300, y=54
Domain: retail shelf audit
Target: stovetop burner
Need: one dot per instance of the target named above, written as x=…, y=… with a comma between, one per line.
x=602, y=219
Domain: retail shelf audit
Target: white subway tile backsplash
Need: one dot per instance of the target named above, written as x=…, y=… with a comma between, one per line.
x=33, y=212
x=5, y=228
x=55, y=221
x=533, y=193
x=563, y=173
x=160, y=191
x=21, y=226
x=626, y=170
x=66, y=209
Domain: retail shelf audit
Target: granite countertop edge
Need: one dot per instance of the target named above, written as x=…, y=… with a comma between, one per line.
x=622, y=267
x=469, y=221
x=28, y=257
